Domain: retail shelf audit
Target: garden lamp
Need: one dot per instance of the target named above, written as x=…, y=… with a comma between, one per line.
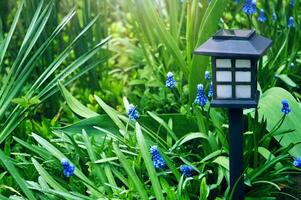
x=234, y=55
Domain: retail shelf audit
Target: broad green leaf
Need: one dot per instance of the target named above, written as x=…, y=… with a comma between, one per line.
x=103, y=121
x=270, y=109
x=222, y=161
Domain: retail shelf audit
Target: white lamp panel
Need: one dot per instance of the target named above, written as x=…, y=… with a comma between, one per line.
x=242, y=63
x=223, y=76
x=223, y=63
x=224, y=91
x=243, y=76
x=243, y=91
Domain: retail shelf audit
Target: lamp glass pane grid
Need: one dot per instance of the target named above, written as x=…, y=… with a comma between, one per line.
x=233, y=79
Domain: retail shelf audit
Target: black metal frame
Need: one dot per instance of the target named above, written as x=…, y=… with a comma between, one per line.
x=235, y=102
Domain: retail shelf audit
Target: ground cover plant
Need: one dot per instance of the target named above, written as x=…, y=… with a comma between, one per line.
x=106, y=100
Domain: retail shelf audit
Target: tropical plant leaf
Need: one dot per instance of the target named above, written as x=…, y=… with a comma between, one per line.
x=270, y=109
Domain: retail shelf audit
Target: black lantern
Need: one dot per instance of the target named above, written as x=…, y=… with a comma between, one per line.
x=234, y=64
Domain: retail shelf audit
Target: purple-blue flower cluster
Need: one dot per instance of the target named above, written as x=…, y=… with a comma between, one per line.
x=297, y=162
x=285, y=107
x=262, y=17
x=210, y=92
x=201, y=99
x=207, y=75
x=170, y=81
x=132, y=112
x=187, y=170
x=291, y=22
x=157, y=159
x=68, y=168
x=249, y=7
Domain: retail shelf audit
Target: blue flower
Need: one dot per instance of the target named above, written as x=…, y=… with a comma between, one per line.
x=274, y=16
x=132, y=112
x=262, y=17
x=297, y=162
x=68, y=168
x=249, y=7
x=292, y=65
x=201, y=98
x=64, y=162
x=292, y=3
x=276, y=76
x=170, y=81
x=157, y=159
x=207, y=75
x=210, y=92
x=291, y=22
x=187, y=170
x=285, y=107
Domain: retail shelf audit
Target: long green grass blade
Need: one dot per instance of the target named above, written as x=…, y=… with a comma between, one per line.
x=131, y=173
x=75, y=105
x=144, y=149
x=15, y=174
x=47, y=177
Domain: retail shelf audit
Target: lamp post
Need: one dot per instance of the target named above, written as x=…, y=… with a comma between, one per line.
x=234, y=55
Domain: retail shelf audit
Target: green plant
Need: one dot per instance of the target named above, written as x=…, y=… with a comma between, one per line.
x=19, y=93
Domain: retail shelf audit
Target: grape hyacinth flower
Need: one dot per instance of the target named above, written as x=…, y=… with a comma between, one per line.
x=285, y=107
x=210, y=92
x=170, y=81
x=207, y=75
x=274, y=16
x=249, y=7
x=201, y=99
x=68, y=168
x=276, y=76
x=262, y=17
x=132, y=112
x=157, y=159
x=292, y=65
x=291, y=23
x=292, y=3
x=297, y=162
x=187, y=170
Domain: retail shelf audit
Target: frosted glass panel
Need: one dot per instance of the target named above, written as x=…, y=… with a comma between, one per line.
x=243, y=91
x=243, y=76
x=243, y=63
x=224, y=91
x=223, y=63
x=223, y=76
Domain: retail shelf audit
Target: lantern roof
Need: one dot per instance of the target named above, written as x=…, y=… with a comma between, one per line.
x=239, y=43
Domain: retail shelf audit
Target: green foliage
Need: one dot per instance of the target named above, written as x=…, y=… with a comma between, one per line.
x=18, y=79
x=49, y=46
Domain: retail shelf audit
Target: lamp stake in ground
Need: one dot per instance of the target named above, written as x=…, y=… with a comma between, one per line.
x=234, y=55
